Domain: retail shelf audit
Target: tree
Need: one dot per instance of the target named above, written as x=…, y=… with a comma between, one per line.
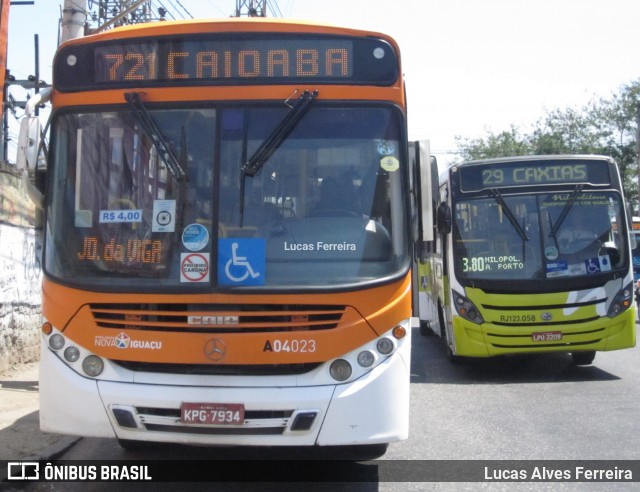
x=505, y=144
x=603, y=126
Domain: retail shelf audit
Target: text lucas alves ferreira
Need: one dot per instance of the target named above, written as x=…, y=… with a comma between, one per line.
x=543, y=473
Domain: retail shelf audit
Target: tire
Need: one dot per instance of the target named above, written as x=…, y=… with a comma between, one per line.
x=583, y=358
x=362, y=452
x=425, y=329
x=131, y=445
x=453, y=359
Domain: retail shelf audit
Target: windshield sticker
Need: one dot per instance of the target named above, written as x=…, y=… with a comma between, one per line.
x=164, y=216
x=584, y=199
x=587, y=267
x=579, y=269
x=390, y=163
x=386, y=147
x=194, y=267
x=597, y=264
x=241, y=261
x=195, y=237
x=83, y=218
x=605, y=263
x=551, y=253
x=557, y=269
x=120, y=216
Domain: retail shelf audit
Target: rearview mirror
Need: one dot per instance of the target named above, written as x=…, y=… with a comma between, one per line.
x=28, y=143
x=444, y=218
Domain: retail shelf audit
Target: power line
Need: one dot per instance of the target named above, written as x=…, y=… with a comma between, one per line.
x=275, y=9
x=185, y=10
x=113, y=13
x=257, y=8
x=123, y=12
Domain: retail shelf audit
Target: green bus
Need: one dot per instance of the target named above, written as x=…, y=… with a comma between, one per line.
x=527, y=258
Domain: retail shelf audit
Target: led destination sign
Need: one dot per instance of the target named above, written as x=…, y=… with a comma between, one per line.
x=142, y=251
x=198, y=61
x=225, y=60
x=493, y=175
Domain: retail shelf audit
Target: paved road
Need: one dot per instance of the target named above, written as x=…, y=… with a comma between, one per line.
x=533, y=407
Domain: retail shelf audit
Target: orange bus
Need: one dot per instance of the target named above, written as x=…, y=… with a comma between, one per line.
x=228, y=237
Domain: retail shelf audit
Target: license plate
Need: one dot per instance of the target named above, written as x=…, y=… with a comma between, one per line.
x=546, y=336
x=212, y=413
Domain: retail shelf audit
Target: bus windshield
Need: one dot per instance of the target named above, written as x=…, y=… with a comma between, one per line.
x=127, y=212
x=544, y=236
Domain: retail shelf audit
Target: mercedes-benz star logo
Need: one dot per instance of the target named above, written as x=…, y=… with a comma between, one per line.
x=215, y=349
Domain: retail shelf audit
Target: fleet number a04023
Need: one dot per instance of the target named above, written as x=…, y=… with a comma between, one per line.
x=295, y=346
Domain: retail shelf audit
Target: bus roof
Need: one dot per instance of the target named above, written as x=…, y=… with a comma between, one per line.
x=225, y=25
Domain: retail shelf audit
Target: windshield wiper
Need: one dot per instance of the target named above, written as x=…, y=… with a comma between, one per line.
x=257, y=161
x=150, y=127
x=563, y=215
x=507, y=211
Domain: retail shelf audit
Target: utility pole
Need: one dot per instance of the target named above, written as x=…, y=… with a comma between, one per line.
x=638, y=152
x=251, y=8
x=74, y=19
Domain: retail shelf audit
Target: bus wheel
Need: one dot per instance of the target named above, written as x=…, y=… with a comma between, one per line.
x=425, y=329
x=131, y=445
x=356, y=452
x=454, y=359
x=583, y=358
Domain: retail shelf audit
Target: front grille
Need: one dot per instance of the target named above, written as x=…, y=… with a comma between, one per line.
x=546, y=323
x=524, y=341
x=218, y=369
x=219, y=431
x=216, y=318
x=256, y=422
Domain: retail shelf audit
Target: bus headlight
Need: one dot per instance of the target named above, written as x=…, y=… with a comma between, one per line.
x=466, y=308
x=385, y=346
x=71, y=354
x=366, y=358
x=621, y=302
x=56, y=342
x=92, y=366
x=382, y=351
x=340, y=370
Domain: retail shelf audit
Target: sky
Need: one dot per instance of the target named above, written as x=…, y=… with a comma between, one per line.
x=471, y=66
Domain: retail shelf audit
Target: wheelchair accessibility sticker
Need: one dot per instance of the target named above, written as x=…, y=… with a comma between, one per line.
x=241, y=261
